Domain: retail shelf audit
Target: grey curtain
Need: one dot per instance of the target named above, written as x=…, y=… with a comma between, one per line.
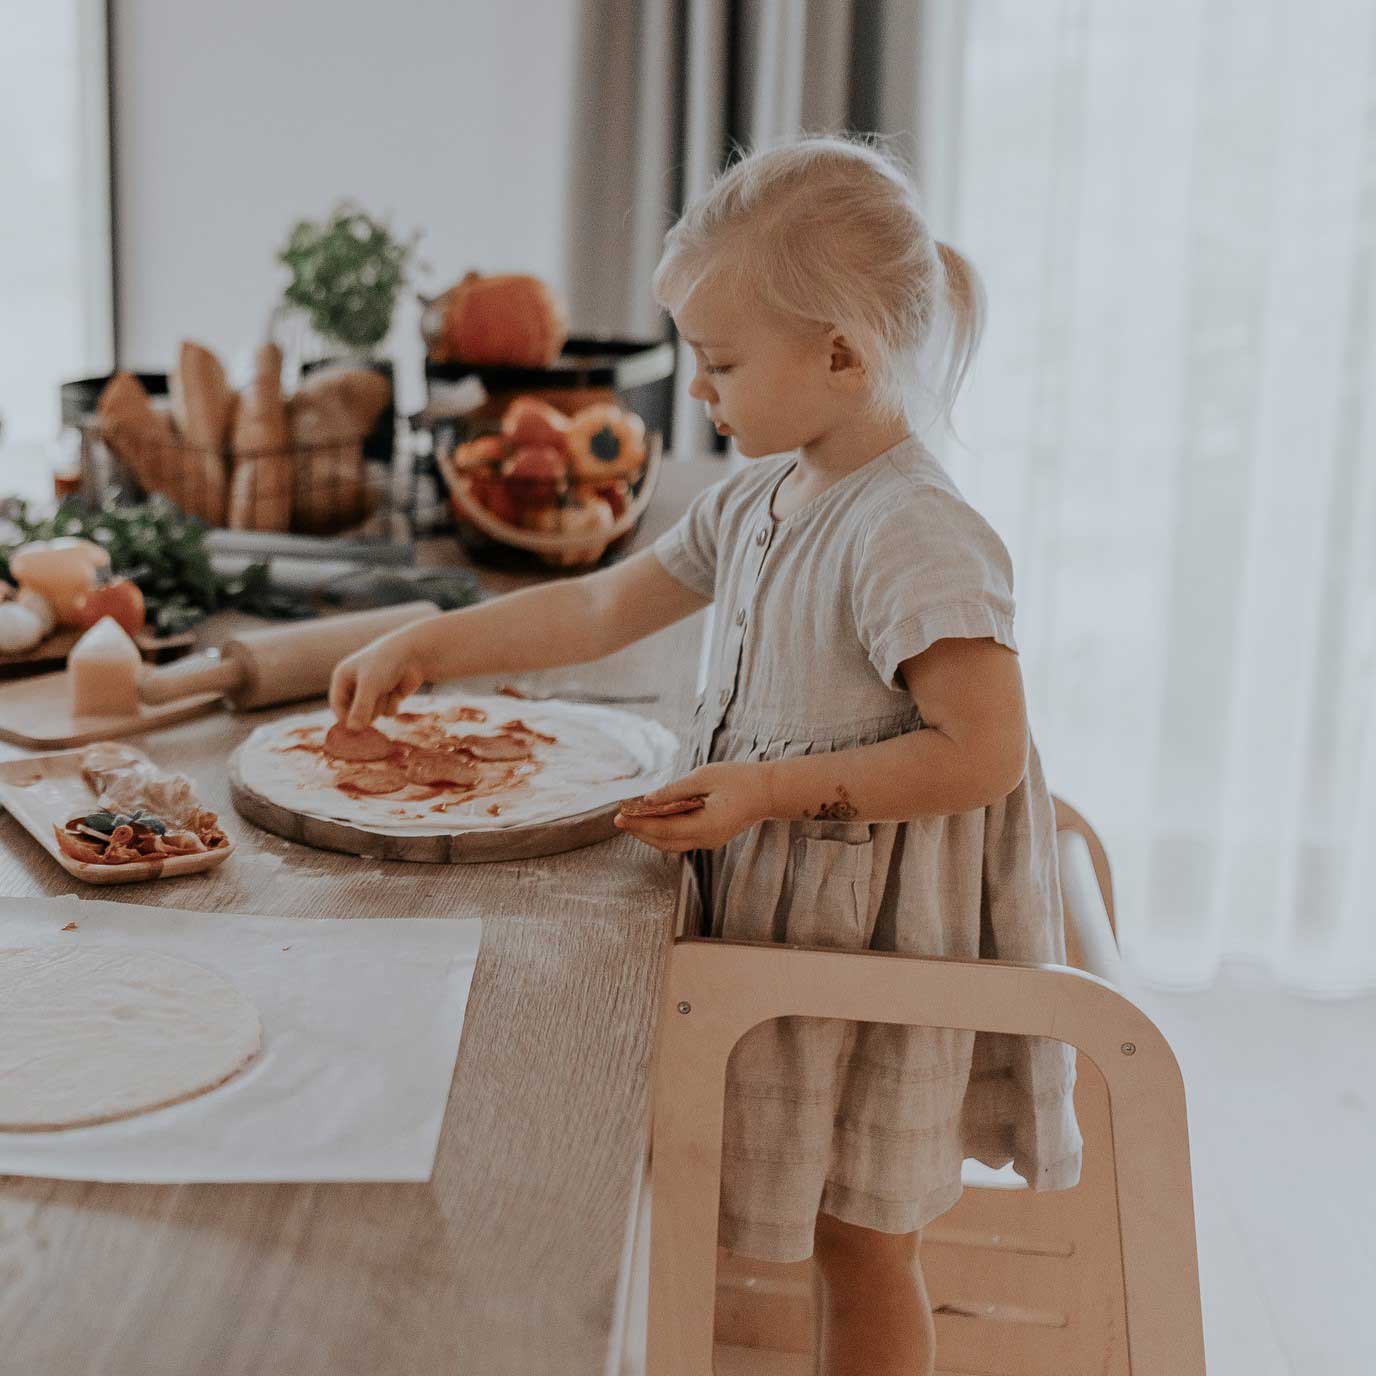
x=664, y=89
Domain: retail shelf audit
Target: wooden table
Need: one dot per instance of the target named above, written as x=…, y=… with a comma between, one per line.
x=512, y=1257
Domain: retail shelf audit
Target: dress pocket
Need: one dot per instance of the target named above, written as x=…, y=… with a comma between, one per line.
x=827, y=891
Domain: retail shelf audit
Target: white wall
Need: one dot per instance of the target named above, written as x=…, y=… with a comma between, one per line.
x=234, y=120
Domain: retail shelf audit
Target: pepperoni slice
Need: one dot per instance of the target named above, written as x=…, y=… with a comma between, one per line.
x=495, y=747
x=372, y=778
x=440, y=767
x=642, y=807
x=368, y=744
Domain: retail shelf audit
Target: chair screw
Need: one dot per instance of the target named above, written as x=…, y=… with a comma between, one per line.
x=685, y=1008
x=1128, y=1049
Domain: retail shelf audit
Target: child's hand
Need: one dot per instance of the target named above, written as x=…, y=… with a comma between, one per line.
x=372, y=681
x=737, y=797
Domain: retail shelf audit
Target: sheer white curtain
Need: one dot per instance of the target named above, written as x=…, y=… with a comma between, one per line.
x=55, y=296
x=1172, y=424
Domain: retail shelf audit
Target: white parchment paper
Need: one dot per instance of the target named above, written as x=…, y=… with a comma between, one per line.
x=361, y=1025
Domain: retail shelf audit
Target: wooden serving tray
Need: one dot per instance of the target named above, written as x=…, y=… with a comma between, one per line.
x=45, y=791
x=56, y=647
x=454, y=848
x=37, y=714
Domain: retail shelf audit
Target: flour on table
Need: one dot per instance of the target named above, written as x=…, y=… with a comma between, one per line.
x=92, y=1034
x=578, y=758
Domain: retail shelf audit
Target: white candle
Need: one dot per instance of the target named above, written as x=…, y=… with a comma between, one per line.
x=103, y=670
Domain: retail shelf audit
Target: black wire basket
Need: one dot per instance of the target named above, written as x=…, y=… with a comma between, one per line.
x=278, y=497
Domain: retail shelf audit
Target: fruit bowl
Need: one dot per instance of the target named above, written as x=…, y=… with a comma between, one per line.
x=492, y=537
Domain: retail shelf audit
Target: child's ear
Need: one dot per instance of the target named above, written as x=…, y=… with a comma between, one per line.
x=847, y=371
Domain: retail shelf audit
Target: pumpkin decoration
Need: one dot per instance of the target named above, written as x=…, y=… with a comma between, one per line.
x=512, y=320
x=605, y=442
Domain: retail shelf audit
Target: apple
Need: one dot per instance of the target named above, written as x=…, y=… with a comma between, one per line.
x=120, y=598
x=491, y=492
x=530, y=421
x=536, y=474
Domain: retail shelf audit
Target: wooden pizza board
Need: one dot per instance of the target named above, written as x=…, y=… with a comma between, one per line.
x=454, y=848
x=37, y=714
x=45, y=791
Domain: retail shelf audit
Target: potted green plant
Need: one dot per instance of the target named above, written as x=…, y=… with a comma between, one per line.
x=347, y=273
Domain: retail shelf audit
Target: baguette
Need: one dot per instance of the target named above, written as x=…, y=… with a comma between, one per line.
x=141, y=436
x=203, y=403
x=260, y=479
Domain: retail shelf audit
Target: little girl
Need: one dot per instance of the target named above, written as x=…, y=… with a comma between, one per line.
x=862, y=746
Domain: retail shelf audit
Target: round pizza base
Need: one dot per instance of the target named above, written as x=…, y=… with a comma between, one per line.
x=451, y=848
x=570, y=802
x=92, y=1034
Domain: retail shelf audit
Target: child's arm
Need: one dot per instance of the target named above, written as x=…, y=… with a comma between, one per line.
x=566, y=621
x=972, y=752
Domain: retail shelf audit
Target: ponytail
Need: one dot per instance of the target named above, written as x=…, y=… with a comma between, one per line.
x=966, y=302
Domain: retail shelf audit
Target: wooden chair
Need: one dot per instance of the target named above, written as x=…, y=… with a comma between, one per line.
x=1101, y=1279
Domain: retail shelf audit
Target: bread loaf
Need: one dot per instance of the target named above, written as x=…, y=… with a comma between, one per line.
x=203, y=403
x=329, y=489
x=260, y=480
x=361, y=393
x=141, y=436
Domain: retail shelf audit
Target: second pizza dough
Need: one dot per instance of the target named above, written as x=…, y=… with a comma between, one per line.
x=89, y=1034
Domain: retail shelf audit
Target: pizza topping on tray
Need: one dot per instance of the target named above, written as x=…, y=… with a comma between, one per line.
x=642, y=807
x=440, y=767
x=496, y=747
x=516, y=727
x=422, y=760
x=141, y=814
x=368, y=744
x=371, y=778
x=524, y=765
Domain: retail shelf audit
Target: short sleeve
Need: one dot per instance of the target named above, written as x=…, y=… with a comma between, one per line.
x=930, y=569
x=688, y=549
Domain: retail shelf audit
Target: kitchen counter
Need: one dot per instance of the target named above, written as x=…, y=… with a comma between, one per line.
x=513, y=1257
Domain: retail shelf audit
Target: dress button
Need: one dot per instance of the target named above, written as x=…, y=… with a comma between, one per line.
x=761, y=535
x=724, y=696
x=740, y=617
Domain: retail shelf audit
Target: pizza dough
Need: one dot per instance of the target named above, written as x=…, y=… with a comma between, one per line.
x=521, y=762
x=89, y=1034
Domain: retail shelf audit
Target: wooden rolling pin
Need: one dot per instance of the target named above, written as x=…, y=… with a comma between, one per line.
x=281, y=664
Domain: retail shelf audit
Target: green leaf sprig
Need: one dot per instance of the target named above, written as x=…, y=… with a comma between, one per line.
x=164, y=551
x=346, y=275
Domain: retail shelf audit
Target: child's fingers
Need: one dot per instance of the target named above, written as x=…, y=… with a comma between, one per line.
x=342, y=683
x=669, y=845
x=689, y=786
x=363, y=708
x=658, y=828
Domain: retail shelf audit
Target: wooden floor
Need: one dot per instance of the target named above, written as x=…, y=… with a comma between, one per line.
x=1282, y=1103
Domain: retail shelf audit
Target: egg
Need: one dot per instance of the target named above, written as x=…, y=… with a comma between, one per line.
x=39, y=606
x=20, y=629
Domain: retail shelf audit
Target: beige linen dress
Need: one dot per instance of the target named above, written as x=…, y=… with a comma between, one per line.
x=814, y=612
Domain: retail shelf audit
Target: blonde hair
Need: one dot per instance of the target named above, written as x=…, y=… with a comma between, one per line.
x=826, y=231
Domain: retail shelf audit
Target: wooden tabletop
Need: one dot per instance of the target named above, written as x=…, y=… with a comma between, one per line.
x=510, y=1259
